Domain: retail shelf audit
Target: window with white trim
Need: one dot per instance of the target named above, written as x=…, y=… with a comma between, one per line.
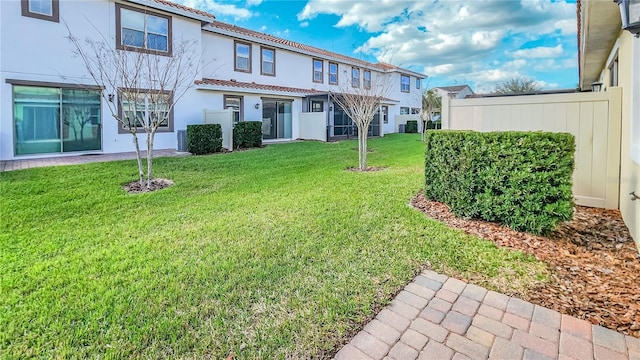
x=404, y=111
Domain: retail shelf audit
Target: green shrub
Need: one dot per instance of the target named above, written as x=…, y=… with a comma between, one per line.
x=247, y=134
x=411, y=127
x=204, y=138
x=431, y=125
x=520, y=179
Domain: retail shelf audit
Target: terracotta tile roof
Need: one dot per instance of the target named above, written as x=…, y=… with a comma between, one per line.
x=253, y=85
x=273, y=39
x=281, y=41
x=183, y=8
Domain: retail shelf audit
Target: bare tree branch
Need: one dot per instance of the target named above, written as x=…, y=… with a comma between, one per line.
x=141, y=86
x=361, y=101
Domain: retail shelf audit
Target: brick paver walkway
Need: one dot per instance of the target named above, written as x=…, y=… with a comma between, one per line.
x=10, y=165
x=437, y=317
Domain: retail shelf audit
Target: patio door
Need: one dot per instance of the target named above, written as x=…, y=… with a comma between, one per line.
x=276, y=119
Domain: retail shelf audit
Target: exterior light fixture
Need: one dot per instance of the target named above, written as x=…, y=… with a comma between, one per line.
x=110, y=97
x=257, y=106
x=630, y=14
x=596, y=86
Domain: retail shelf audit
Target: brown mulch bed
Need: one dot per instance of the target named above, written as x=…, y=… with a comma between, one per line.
x=593, y=262
x=156, y=184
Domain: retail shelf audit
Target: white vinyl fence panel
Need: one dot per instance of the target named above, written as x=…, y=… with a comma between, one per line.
x=313, y=126
x=595, y=119
x=225, y=119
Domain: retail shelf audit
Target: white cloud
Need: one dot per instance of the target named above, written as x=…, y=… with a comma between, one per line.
x=304, y=24
x=254, y=2
x=220, y=10
x=538, y=52
x=566, y=26
x=263, y=28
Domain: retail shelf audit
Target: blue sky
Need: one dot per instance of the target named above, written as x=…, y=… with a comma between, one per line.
x=476, y=42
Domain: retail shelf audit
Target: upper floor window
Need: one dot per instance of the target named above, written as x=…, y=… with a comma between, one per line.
x=41, y=9
x=405, y=85
x=333, y=73
x=355, y=77
x=142, y=30
x=415, y=111
x=418, y=83
x=318, y=74
x=268, y=61
x=243, y=56
x=404, y=111
x=367, y=79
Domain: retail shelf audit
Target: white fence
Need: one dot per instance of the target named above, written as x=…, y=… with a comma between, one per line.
x=402, y=120
x=595, y=119
x=225, y=119
x=313, y=126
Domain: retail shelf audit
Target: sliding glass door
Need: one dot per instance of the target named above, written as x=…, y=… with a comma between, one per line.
x=54, y=120
x=277, y=119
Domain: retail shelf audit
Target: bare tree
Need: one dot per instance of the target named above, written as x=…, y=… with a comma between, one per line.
x=140, y=86
x=361, y=100
x=431, y=102
x=517, y=86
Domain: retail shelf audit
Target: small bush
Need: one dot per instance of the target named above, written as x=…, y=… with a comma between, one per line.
x=204, y=138
x=520, y=179
x=247, y=134
x=411, y=127
x=431, y=125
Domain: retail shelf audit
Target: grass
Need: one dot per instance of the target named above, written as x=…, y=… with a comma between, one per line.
x=268, y=253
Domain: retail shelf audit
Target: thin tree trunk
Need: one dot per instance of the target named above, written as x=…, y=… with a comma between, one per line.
x=139, y=158
x=149, y=158
x=362, y=149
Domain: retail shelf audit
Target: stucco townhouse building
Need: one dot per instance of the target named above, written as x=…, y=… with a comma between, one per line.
x=258, y=77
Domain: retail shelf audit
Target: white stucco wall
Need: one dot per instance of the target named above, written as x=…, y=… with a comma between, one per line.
x=44, y=54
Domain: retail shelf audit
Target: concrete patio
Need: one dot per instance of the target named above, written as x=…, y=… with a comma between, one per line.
x=437, y=317
x=10, y=165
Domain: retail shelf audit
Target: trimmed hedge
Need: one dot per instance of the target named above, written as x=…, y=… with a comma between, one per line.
x=247, y=134
x=204, y=138
x=411, y=127
x=520, y=179
x=434, y=125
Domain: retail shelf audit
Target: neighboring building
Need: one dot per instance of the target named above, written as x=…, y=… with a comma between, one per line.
x=258, y=76
x=610, y=55
x=455, y=91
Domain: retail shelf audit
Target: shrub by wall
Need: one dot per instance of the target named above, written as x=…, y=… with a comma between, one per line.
x=204, y=138
x=247, y=134
x=520, y=179
x=411, y=127
x=431, y=125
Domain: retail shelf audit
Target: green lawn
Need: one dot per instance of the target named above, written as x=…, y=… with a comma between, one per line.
x=268, y=253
